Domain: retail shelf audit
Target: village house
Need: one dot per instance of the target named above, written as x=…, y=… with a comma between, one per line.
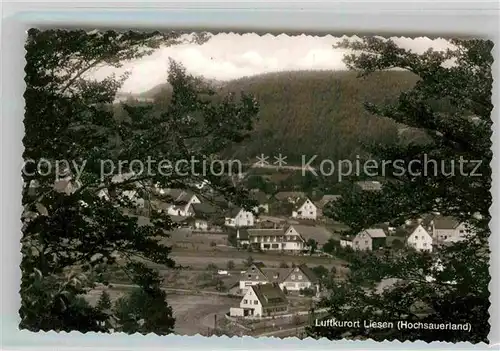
x=299, y=278
x=204, y=215
x=304, y=208
x=289, y=279
x=369, y=239
x=293, y=238
x=447, y=230
x=420, y=239
x=261, y=300
x=318, y=234
x=181, y=201
x=238, y=217
x=258, y=273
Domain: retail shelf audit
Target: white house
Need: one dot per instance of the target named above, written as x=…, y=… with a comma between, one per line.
x=369, y=239
x=293, y=238
x=262, y=300
x=420, y=239
x=305, y=209
x=448, y=229
x=181, y=202
x=253, y=275
x=238, y=217
x=300, y=277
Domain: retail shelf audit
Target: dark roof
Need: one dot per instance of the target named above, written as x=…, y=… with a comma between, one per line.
x=313, y=278
x=320, y=234
x=270, y=295
x=446, y=223
x=179, y=196
x=375, y=232
x=203, y=209
x=306, y=271
x=276, y=275
x=233, y=211
x=266, y=232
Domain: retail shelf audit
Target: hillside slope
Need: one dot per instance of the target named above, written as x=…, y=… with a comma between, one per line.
x=315, y=112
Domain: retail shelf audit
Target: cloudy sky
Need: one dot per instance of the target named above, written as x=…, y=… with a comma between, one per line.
x=229, y=56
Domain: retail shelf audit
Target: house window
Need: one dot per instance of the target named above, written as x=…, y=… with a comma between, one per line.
x=255, y=302
x=416, y=237
x=356, y=242
x=293, y=276
x=366, y=241
x=310, y=213
x=425, y=244
x=461, y=231
x=245, y=301
x=300, y=276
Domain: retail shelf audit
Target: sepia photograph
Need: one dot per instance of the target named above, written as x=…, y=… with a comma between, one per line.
x=239, y=184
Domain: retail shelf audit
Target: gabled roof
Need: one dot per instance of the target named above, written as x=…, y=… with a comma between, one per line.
x=415, y=229
x=320, y=234
x=300, y=202
x=276, y=275
x=270, y=295
x=178, y=196
x=255, y=273
x=266, y=232
x=306, y=271
x=374, y=233
x=233, y=211
x=203, y=209
x=446, y=223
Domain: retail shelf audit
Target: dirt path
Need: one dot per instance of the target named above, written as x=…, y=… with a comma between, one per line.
x=195, y=314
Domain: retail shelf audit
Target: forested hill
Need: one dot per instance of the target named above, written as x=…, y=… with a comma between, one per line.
x=317, y=112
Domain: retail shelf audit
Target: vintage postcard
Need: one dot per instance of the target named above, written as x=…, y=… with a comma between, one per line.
x=257, y=185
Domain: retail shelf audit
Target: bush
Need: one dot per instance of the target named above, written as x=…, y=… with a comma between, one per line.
x=230, y=265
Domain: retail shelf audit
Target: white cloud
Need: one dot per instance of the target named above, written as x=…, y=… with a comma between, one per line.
x=228, y=56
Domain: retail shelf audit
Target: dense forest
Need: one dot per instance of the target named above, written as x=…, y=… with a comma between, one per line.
x=315, y=112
